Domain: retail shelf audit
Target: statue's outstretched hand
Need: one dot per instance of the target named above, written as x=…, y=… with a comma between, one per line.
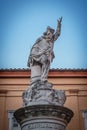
x=59, y=20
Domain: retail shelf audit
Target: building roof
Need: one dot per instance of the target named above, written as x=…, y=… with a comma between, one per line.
x=25, y=72
x=53, y=69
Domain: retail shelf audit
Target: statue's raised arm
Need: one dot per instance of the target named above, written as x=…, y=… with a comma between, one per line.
x=58, y=30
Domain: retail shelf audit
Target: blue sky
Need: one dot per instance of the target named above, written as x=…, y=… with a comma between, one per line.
x=23, y=21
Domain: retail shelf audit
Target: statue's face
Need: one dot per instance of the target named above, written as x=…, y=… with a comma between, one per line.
x=49, y=34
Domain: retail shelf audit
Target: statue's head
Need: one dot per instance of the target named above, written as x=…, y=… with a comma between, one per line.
x=49, y=30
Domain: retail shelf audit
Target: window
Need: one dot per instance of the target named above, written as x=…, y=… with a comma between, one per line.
x=13, y=125
x=84, y=114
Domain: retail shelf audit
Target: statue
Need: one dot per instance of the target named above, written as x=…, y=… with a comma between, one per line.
x=40, y=58
x=41, y=54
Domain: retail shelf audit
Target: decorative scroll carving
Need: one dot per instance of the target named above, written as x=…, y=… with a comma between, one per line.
x=44, y=94
x=46, y=111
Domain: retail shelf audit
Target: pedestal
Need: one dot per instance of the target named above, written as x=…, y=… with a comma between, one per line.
x=43, y=117
x=43, y=108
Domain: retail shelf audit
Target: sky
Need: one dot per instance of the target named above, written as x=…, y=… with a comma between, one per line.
x=23, y=21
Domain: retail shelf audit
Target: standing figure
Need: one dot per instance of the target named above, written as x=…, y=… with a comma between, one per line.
x=41, y=54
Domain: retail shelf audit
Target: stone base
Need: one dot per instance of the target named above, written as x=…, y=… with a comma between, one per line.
x=43, y=117
x=43, y=93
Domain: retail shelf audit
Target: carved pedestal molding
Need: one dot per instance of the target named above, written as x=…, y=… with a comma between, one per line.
x=43, y=117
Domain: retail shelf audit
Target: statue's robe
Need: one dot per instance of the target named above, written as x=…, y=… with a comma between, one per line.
x=42, y=51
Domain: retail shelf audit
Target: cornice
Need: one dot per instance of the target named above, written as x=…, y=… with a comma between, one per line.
x=52, y=69
x=53, y=73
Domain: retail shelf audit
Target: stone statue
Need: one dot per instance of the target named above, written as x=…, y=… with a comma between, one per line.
x=41, y=54
x=40, y=58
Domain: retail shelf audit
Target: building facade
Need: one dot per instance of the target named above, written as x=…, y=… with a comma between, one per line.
x=14, y=81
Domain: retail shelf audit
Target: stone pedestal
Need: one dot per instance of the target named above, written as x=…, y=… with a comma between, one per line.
x=43, y=117
x=43, y=108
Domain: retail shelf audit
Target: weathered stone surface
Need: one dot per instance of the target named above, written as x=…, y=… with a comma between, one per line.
x=42, y=93
x=43, y=117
